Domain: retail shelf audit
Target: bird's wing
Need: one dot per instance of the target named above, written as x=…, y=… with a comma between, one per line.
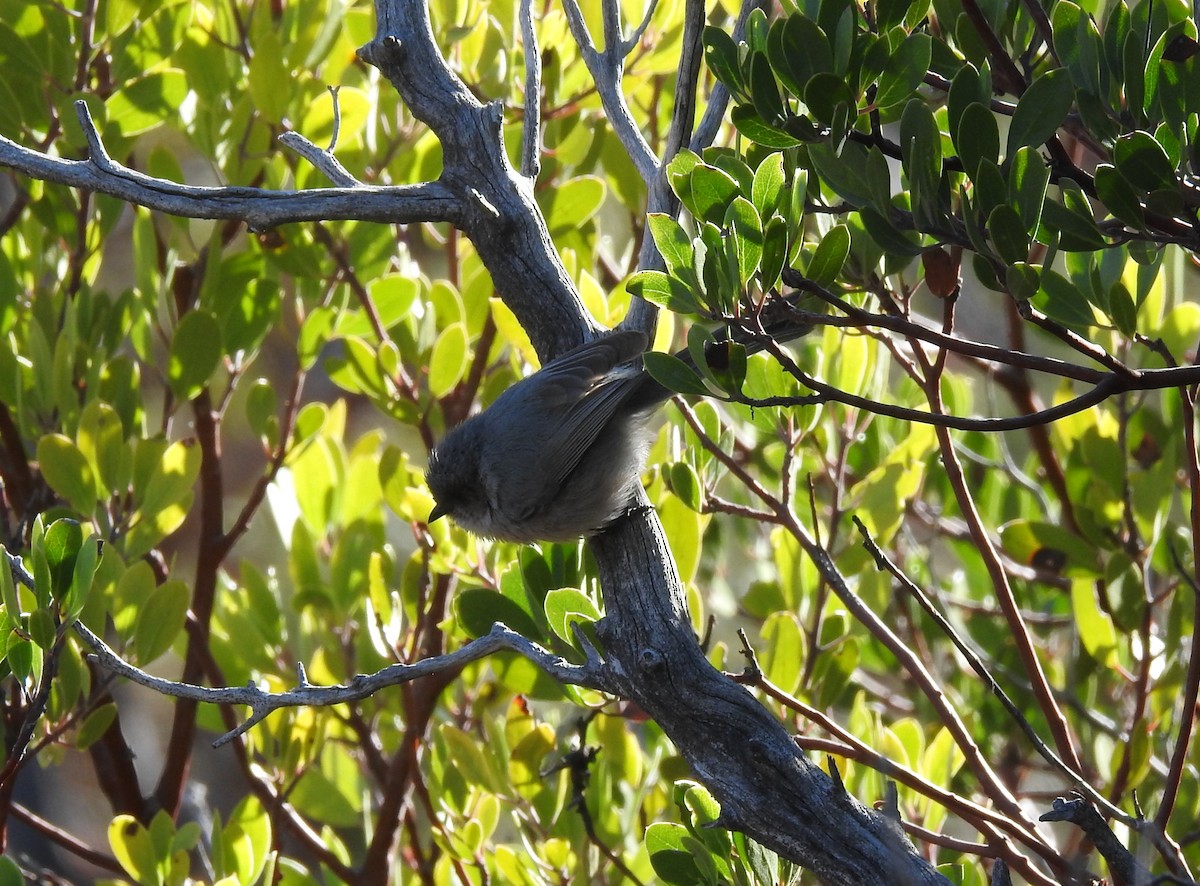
x=565, y=381
x=582, y=424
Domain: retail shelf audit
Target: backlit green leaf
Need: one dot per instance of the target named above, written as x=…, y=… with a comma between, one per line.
x=195, y=353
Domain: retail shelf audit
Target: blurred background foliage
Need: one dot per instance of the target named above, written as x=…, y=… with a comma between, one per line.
x=242, y=419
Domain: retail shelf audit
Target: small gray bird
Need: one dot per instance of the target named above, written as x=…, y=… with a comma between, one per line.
x=558, y=455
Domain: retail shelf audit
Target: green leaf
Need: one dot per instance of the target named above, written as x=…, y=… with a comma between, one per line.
x=315, y=332
x=1023, y=280
x=101, y=439
x=846, y=173
x=664, y=290
x=721, y=55
x=1143, y=163
x=745, y=227
x=672, y=241
x=95, y=725
x=1041, y=110
x=712, y=191
x=567, y=606
x=671, y=860
x=774, y=255
x=477, y=609
x=826, y=263
x=449, y=359
x=764, y=91
x=1027, y=182
x=1118, y=196
x=921, y=150
x=905, y=70
x=269, y=80
x=783, y=654
x=62, y=543
x=574, y=203
x=726, y=364
x=768, y=185
x=160, y=620
x=1077, y=43
x=248, y=835
x=1072, y=220
x=825, y=94
x=145, y=103
x=1008, y=234
x=245, y=315
x=746, y=121
x=10, y=874
x=1061, y=300
x=195, y=353
x=133, y=849
x=1095, y=627
x=798, y=50
x=969, y=87
x=67, y=471
x=673, y=374
x=684, y=482
x=887, y=235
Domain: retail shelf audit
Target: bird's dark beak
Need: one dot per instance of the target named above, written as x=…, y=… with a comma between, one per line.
x=436, y=514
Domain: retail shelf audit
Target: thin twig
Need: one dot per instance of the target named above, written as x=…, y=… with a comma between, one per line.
x=531, y=132
x=884, y=562
x=591, y=674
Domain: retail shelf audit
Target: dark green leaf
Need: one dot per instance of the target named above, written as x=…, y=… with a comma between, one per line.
x=798, y=49
x=477, y=609
x=921, y=149
x=1122, y=309
x=977, y=138
x=824, y=94
x=1022, y=280
x=1116, y=29
x=905, y=70
x=1072, y=221
x=775, y=248
x=1008, y=234
x=746, y=121
x=673, y=374
x=726, y=362
x=887, y=235
x=1027, y=182
x=1118, y=196
x=764, y=91
x=969, y=87
x=1061, y=300
x=845, y=173
x=826, y=263
x=1077, y=43
x=63, y=540
x=1143, y=162
x=721, y=54
x=1041, y=110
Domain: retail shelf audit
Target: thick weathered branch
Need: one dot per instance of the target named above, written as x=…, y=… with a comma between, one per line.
x=499, y=212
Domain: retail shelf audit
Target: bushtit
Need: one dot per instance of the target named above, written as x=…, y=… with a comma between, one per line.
x=558, y=455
